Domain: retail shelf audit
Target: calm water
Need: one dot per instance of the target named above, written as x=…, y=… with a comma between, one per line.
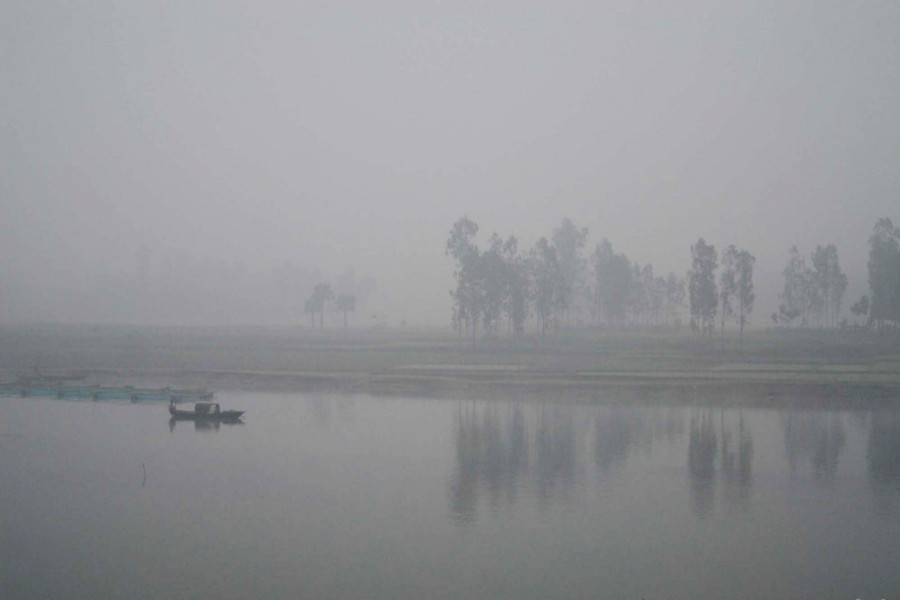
x=359, y=497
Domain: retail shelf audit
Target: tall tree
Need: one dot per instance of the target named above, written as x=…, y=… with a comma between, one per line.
x=702, y=286
x=568, y=241
x=860, y=308
x=675, y=294
x=517, y=286
x=830, y=283
x=468, y=297
x=493, y=268
x=612, y=283
x=345, y=303
x=884, y=274
x=795, y=298
x=728, y=282
x=321, y=295
x=550, y=291
x=745, y=296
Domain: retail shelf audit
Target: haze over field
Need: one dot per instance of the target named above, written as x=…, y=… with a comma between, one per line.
x=208, y=163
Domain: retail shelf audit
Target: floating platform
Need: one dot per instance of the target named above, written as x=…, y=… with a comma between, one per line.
x=93, y=392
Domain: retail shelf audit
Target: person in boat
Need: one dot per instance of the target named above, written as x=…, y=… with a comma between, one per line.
x=172, y=406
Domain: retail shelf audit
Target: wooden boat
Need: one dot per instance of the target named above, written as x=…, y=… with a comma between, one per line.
x=204, y=411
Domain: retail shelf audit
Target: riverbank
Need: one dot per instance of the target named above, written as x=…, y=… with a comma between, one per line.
x=766, y=367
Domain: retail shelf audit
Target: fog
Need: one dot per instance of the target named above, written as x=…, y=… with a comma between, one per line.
x=209, y=162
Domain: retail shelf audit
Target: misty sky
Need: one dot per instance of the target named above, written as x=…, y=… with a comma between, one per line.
x=253, y=134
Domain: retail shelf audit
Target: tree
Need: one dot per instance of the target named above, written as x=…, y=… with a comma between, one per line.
x=745, y=296
x=321, y=295
x=468, y=297
x=612, y=283
x=517, y=286
x=737, y=286
x=860, y=308
x=814, y=294
x=657, y=298
x=638, y=297
x=569, y=241
x=490, y=284
x=884, y=274
x=728, y=282
x=550, y=291
x=795, y=296
x=830, y=283
x=345, y=303
x=675, y=294
x=702, y=286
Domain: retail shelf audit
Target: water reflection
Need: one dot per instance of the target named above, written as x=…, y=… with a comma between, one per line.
x=491, y=453
x=883, y=456
x=620, y=431
x=556, y=456
x=205, y=424
x=701, y=462
x=502, y=448
x=737, y=462
x=732, y=446
x=883, y=451
x=323, y=407
x=816, y=438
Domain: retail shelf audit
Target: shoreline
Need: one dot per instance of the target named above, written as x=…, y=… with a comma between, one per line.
x=654, y=388
x=766, y=368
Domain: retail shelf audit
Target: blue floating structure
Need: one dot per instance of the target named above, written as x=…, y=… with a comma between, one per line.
x=61, y=388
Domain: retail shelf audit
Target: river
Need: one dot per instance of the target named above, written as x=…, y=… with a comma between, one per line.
x=353, y=496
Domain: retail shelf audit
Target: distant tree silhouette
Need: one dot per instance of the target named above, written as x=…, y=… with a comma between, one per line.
x=550, y=289
x=345, y=303
x=745, y=296
x=568, y=241
x=736, y=286
x=702, y=286
x=321, y=295
x=884, y=274
x=860, y=308
x=612, y=283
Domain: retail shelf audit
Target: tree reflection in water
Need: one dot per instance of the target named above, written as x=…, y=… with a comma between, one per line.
x=737, y=462
x=732, y=445
x=502, y=448
x=501, y=445
x=556, y=452
x=620, y=431
x=491, y=453
x=204, y=425
x=815, y=437
x=701, y=462
x=883, y=455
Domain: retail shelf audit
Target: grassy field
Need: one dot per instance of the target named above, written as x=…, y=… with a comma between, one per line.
x=435, y=361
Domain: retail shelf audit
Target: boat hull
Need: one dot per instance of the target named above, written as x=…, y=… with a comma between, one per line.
x=189, y=415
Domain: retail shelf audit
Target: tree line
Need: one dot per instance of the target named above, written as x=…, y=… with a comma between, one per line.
x=733, y=291
x=346, y=296
x=813, y=290
x=882, y=306
x=554, y=283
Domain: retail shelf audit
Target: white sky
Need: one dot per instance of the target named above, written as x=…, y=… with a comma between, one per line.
x=261, y=132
